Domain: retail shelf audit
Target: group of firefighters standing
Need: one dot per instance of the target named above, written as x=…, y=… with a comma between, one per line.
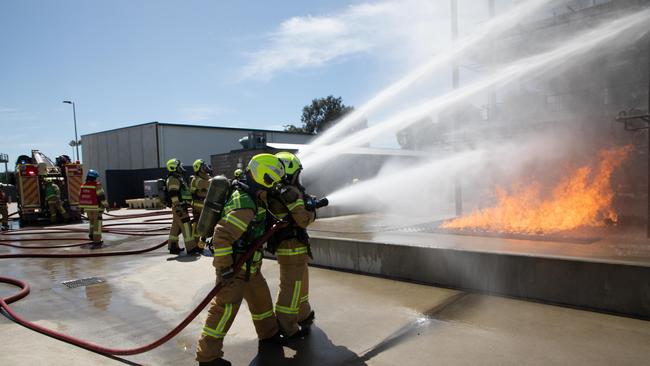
x=268, y=189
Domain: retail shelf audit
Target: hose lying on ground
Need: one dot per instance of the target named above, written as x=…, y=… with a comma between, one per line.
x=24, y=290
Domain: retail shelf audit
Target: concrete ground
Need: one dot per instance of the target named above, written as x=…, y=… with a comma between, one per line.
x=360, y=320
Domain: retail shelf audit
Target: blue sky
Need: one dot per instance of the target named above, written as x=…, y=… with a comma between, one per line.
x=245, y=64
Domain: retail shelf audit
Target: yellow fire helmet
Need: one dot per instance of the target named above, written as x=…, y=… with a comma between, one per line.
x=291, y=162
x=198, y=164
x=174, y=165
x=266, y=170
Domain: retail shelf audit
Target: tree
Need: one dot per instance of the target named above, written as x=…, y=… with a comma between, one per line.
x=321, y=114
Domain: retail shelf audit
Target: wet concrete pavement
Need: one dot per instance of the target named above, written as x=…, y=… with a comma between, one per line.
x=359, y=319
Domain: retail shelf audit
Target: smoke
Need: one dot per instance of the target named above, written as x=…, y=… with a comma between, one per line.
x=485, y=155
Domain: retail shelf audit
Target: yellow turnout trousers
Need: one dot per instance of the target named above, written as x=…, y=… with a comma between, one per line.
x=95, y=224
x=54, y=206
x=181, y=223
x=292, y=305
x=224, y=307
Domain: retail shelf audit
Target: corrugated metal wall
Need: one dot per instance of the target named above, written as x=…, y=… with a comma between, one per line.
x=150, y=145
x=189, y=143
x=125, y=148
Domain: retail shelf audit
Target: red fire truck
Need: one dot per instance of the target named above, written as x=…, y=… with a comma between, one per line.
x=30, y=180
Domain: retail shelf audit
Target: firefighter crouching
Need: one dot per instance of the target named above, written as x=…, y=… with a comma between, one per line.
x=242, y=221
x=199, y=189
x=4, y=210
x=93, y=201
x=291, y=247
x=53, y=199
x=181, y=199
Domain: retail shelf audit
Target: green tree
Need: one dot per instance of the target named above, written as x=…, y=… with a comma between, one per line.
x=321, y=114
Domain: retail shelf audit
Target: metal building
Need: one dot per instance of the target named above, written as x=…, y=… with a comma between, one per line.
x=150, y=145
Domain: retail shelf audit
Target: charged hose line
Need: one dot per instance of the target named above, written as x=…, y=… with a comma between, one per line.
x=82, y=255
x=24, y=290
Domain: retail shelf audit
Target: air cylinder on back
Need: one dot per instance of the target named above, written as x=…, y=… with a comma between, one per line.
x=213, y=205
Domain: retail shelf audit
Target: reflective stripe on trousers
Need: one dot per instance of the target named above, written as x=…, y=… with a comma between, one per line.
x=218, y=332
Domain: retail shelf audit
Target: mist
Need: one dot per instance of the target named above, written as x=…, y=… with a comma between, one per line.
x=448, y=140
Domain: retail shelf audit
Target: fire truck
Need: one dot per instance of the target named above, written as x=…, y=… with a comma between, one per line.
x=31, y=176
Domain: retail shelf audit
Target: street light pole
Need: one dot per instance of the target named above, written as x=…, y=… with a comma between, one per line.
x=74, y=116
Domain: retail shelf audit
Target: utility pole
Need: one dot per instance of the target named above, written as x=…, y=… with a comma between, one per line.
x=74, y=116
x=458, y=192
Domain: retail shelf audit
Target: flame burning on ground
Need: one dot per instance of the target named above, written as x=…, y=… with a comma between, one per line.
x=583, y=198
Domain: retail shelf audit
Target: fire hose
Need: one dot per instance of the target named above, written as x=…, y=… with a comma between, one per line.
x=24, y=290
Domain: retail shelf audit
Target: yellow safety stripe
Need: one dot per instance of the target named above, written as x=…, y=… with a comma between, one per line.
x=304, y=298
x=294, y=251
x=298, y=202
x=173, y=238
x=96, y=207
x=281, y=215
x=239, y=224
x=296, y=294
x=286, y=310
x=263, y=315
x=254, y=268
x=198, y=204
x=209, y=332
x=222, y=252
x=227, y=312
x=257, y=256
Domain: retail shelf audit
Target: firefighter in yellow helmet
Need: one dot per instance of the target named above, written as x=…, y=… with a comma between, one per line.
x=242, y=221
x=291, y=247
x=4, y=211
x=199, y=188
x=181, y=199
x=93, y=201
x=53, y=199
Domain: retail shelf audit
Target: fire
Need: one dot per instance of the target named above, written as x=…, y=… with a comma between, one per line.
x=583, y=198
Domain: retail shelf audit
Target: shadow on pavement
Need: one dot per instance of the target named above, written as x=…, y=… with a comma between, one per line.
x=315, y=349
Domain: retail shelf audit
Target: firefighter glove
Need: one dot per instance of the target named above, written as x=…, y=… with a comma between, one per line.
x=288, y=194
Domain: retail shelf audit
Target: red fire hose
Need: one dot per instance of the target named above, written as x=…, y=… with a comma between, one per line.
x=24, y=290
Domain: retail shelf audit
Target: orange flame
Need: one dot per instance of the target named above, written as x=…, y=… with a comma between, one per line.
x=581, y=199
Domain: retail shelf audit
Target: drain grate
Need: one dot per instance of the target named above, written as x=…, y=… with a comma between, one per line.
x=83, y=282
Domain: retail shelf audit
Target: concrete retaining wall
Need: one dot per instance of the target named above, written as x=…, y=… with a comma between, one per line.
x=609, y=287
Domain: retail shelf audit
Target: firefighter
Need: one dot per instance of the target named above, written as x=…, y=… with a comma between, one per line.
x=291, y=247
x=199, y=188
x=4, y=211
x=181, y=199
x=243, y=220
x=93, y=201
x=53, y=199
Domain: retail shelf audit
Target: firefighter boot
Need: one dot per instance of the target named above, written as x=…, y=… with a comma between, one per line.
x=275, y=340
x=175, y=249
x=308, y=321
x=217, y=362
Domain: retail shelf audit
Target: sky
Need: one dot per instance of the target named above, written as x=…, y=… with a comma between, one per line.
x=251, y=64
